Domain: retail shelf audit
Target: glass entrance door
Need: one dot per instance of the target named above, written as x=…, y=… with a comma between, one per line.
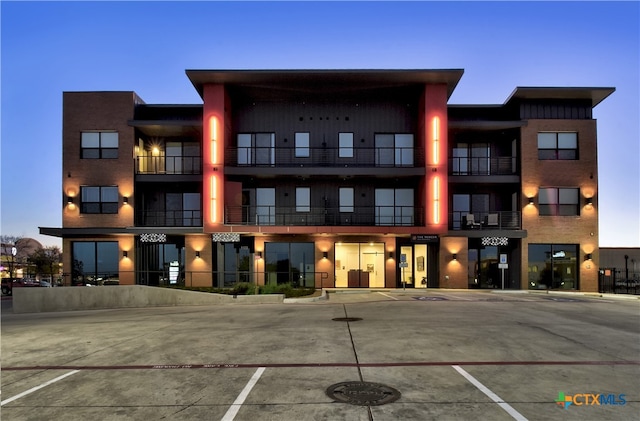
x=359, y=265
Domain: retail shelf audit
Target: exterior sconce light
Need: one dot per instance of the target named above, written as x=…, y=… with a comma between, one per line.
x=390, y=255
x=588, y=256
x=125, y=200
x=69, y=200
x=589, y=201
x=454, y=257
x=259, y=254
x=125, y=254
x=325, y=255
x=531, y=200
x=197, y=254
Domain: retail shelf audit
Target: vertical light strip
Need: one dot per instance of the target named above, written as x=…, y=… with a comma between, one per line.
x=436, y=200
x=214, y=200
x=436, y=139
x=213, y=127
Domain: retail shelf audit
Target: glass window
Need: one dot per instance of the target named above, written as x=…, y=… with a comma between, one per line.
x=346, y=199
x=302, y=145
x=553, y=266
x=99, y=145
x=95, y=262
x=303, y=199
x=244, y=149
x=556, y=201
x=345, y=141
x=292, y=263
x=99, y=199
x=394, y=150
x=558, y=146
x=394, y=206
x=266, y=206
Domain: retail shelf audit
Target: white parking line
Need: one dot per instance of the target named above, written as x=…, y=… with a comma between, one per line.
x=515, y=414
x=33, y=389
x=382, y=293
x=235, y=407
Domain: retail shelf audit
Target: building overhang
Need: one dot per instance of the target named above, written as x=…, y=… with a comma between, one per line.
x=100, y=231
x=293, y=84
x=594, y=94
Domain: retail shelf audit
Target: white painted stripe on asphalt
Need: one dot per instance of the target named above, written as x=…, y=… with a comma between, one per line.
x=235, y=407
x=393, y=298
x=33, y=389
x=515, y=414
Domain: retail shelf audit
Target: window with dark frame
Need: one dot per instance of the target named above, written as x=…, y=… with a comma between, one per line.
x=99, y=199
x=559, y=201
x=557, y=145
x=99, y=145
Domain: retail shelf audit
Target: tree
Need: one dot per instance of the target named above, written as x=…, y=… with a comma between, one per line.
x=47, y=260
x=8, y=252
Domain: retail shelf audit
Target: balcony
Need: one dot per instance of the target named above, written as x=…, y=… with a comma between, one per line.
x=180, y=218
x=498, y=220
x=504, y=165
x=171, y=165
x=325, y=157
x=397, y=216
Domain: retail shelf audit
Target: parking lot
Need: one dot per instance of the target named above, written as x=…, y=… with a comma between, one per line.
x=392, y=355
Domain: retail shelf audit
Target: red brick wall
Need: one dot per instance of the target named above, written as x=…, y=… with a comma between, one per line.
x=97, y=111
x=581, y=173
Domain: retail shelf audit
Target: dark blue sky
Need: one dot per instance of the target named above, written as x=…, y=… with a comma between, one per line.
x=51, y=47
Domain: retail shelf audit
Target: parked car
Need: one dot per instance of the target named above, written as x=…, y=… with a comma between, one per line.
x=8, y=285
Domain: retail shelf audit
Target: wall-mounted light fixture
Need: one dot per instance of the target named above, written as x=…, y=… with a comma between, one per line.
x=531, y=200
x=197, y=254
x=588, y=256
x=125, y=200
x=325, y=255
x=454, y=257
x=390, y=255
x=259, y=254
x=589, y=201
x=125, y=254
x=69, y=200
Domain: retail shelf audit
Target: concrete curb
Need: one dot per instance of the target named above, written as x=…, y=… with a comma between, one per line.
x=322, y=297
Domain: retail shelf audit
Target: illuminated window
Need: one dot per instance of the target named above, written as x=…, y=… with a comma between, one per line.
x=96, y=145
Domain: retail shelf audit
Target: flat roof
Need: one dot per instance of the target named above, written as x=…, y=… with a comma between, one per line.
x=330, y=82
x=595, y=94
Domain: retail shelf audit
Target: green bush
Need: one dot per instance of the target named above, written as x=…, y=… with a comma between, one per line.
x=246, y=288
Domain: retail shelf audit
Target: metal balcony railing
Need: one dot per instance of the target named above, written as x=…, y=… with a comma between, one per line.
x=504, y=165
x=181, y=218
x=168, y=165
x=321, y=216
x=498, y=220
x=324, y=157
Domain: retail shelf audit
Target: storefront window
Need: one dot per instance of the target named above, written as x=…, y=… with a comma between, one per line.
x=95, y=263
x=359, y=265
x=290, y=263
x=553, y=266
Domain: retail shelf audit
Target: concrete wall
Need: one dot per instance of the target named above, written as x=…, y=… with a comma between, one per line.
x=37, y=300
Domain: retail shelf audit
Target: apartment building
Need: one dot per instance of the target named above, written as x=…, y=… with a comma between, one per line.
x=332, y=178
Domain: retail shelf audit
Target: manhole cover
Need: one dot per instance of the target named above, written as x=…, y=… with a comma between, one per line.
x=347, y=319
x=363, y=393
x=430, y=298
